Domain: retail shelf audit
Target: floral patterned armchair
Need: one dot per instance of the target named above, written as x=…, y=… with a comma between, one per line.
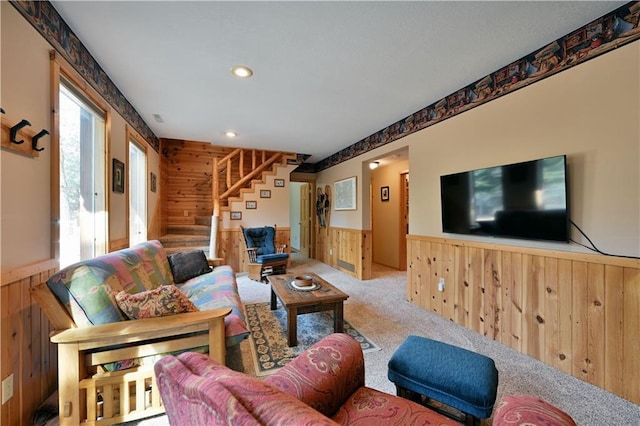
x=323, y=385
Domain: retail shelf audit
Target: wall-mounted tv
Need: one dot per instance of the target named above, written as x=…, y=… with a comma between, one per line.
x=525, y=200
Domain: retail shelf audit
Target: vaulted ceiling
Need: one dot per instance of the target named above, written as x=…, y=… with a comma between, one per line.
x=326, y=74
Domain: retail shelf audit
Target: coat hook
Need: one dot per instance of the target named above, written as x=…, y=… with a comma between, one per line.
x=34, y=140
x=16, y=128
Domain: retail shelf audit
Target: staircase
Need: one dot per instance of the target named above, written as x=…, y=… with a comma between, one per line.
x=229, y=179
x=186, y=237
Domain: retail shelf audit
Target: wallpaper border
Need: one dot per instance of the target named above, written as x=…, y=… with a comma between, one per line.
x=602, y=35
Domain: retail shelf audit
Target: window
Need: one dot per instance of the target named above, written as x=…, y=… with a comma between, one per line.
x=82, y=176
x=137, y=193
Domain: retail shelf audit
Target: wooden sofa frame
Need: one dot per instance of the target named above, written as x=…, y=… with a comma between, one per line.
x=90, y=396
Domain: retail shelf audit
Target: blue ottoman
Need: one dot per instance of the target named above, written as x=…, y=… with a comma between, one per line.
x=422, y=368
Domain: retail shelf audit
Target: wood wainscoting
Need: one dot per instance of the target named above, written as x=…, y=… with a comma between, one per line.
x=577, y=312
x=26, y=350
x=348, y=250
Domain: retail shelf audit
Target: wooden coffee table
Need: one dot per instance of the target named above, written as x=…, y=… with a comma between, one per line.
x=297, y=302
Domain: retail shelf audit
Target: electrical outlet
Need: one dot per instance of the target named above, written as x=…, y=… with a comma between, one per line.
x=7, y=389
x=330, y=252
x=185, y=213
x=441, y=284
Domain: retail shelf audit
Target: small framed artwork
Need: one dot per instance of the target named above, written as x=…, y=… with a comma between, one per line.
x=250, y=205
x=278, y=183
x=265, y=193
x=384, y=193
x=345, y=194
x=236, y=215
x=118, y=176
x=153, y=182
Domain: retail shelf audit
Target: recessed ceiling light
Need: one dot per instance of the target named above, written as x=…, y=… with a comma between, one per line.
x=241, y=71
x=231, y=134
x=158, y=118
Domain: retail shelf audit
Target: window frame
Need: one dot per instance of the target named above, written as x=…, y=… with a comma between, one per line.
x=60, y=68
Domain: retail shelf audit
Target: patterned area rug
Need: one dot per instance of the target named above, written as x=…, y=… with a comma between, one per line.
x=269, y=340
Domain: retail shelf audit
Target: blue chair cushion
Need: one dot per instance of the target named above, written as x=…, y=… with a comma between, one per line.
x=451, y=375
x=267, y=258
x=261, y=238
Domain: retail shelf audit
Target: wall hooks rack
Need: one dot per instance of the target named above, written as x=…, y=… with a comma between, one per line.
x=12, y=136
x=34, y=140
x=14, y=131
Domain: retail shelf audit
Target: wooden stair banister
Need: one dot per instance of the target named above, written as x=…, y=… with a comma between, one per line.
x=256, y=171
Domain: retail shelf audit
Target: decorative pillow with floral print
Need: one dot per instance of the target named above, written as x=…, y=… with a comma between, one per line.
x=162, y=301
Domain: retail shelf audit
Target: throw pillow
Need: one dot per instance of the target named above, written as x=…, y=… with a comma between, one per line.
x=187, y=265
x=164, y=300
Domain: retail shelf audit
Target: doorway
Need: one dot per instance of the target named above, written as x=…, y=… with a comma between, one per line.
x=301, y=217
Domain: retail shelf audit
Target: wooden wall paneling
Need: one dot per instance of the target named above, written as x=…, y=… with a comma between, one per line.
x=435, y=301
x=596, y=324
x=535, y=316
x=461, y=285
x=366, y=255
x=565, y=313
x=492, y=284
x=448, y=273
x=414, y=268
x=613, y=341
x=426, y=256
x=551, y=313
x=631, y=330
x=475, y=279
x=580, y=321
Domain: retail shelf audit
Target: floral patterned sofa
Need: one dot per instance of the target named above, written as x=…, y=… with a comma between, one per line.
x=323, y=385
x=115, y=314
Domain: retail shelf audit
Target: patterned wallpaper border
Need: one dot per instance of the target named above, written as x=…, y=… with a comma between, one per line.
x=48, y=22
x=602, y=35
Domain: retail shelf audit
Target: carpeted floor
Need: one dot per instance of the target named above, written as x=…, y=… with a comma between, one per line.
x=378, y=308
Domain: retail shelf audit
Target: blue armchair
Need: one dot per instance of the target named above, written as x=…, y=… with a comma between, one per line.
x=265, y=257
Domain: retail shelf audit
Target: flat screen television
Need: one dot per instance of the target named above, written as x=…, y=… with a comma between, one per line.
x=525, y=200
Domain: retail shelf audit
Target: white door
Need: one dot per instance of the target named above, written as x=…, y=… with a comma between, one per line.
x=137, y=194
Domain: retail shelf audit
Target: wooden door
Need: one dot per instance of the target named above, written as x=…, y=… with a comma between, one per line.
x=404, y=220
x=305, y=220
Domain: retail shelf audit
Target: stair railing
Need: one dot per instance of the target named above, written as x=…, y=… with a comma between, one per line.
x=222, y=168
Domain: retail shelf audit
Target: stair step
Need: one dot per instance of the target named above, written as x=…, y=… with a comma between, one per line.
x=181, y=240
x=184, y=229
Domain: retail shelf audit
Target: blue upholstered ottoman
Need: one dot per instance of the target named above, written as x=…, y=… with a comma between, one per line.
x=422, y=368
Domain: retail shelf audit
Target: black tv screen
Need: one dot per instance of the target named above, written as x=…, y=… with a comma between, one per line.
x=525, y=200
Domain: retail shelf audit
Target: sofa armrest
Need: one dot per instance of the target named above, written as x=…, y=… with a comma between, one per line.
x=325, y=375
x=149, y=329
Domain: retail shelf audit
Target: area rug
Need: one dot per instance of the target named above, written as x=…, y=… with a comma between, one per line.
x=268, y=337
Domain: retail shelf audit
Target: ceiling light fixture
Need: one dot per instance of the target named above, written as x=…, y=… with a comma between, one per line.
x=374, y=165
x=231, y=134
x=241, y=71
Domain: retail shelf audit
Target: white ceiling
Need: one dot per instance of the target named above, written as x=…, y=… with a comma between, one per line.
x=327, y=74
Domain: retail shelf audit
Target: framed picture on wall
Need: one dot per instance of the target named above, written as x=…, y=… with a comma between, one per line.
x=250, y=205
x=265, y=193
x=345, y=194
x=118, y=176
x=236, y=215
x=153, y=182
x=384, y=193
x=278, y=183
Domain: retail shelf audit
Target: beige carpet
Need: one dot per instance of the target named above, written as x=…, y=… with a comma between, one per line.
x=378, y=308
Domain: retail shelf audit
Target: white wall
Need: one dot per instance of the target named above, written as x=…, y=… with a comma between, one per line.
x=25, y=183
x=590, y=112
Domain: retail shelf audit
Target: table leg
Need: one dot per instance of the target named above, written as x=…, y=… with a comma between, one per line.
x=338, y=318
x=292, y=326
x=274, y=301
